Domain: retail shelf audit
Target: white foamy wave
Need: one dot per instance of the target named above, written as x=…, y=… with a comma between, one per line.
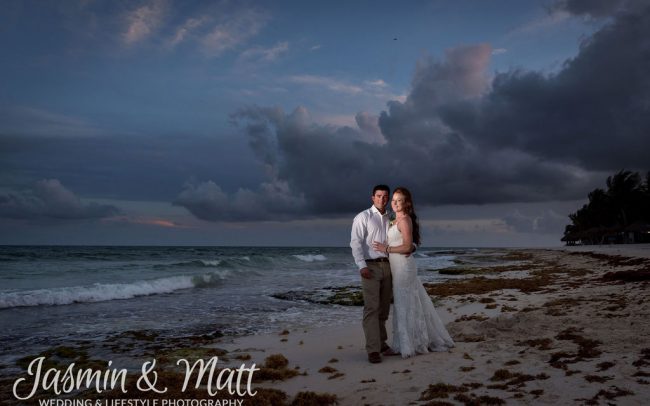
x=99, y=292
x=311, y=258
x=207, y=262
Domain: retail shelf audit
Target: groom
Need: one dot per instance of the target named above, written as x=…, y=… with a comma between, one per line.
x=376, y=280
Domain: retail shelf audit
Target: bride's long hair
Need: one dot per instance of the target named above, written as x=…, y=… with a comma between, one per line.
x=410, y=210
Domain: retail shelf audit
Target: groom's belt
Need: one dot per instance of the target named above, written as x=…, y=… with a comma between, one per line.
x=380, y=259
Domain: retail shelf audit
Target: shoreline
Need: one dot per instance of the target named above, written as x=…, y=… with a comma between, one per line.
x=544, y=329
x=568, y=341
x=629, y=250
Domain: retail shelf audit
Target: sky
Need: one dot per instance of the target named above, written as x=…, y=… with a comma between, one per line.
x=168, y=122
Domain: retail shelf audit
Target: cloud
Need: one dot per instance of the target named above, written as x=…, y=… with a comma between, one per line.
x=117, y=166
x=207, y=201
x=554, y=17
x=234, y=31
x=546, y=222
x=376, y=83
x=144, y=21
x=593, y=113
x=186, y=29
x=499, y=51
x=417, y=143
x=50, y=199
x=597, y=8
x=376, y=89
x=369, y=126
x=148, y=221
x=24, y=120
x=260, y=54
x=331, y=84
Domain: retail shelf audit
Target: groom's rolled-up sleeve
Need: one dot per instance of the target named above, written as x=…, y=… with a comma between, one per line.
x=357, y=239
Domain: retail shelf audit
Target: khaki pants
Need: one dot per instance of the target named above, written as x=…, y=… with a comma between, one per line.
x=377, y=294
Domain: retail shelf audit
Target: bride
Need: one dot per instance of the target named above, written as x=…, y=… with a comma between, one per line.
x=417, y=328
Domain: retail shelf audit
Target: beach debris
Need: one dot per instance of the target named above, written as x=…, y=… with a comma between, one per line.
x=339, y=295
x=441, y=391
x=312, y=398
x=587, y=348
x=61, y=357
x=481, y=285
x=597, y=378
x=515, y=379
x=628, y=276
x=472, y=400
x=539, y=343
x=475, y=316
x=327, y=370
x=611, y=394
x=333, y=371
x=604, y=366
x=613, y=260
x=506, y=308
x=275, y=369
x=284, y=332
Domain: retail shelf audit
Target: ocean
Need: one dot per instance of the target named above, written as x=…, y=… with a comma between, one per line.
x=53, y=295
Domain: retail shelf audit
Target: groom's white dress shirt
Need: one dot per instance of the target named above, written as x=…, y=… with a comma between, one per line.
x=368, y=226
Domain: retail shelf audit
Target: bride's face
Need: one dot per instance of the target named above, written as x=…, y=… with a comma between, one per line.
x=398, y=203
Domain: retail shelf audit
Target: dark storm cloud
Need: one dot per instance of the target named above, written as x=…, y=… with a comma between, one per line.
x=50, y=199
x=129, y=167
x=598, y=8
x=546, y=222
x=330, y=170
x=461, y=138
x=595, y=112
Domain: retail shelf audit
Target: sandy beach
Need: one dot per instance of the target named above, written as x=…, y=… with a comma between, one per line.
x=563, y=335
x=539, y=326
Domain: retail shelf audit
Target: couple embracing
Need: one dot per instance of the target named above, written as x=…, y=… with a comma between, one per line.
x=381, y=249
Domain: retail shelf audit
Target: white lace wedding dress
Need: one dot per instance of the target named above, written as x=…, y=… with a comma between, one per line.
x=417, y=328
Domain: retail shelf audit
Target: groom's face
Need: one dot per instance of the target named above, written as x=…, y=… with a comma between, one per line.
x=380, y=199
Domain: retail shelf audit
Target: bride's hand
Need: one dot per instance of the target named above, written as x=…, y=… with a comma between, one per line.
x=379, y=247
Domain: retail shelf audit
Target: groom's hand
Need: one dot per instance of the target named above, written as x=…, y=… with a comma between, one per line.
x=365, y=273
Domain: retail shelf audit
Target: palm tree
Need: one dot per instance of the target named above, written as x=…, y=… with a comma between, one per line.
x=624, y=188
x=625, y=205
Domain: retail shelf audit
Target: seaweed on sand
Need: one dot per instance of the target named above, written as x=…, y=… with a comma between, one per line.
x=274, y=369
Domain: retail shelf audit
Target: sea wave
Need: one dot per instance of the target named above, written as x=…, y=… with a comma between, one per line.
x=437, y=262
x=311, y=257
x=100, y=292
x=195, y=263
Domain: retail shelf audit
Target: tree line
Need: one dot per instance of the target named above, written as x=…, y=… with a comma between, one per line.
x=619, y=214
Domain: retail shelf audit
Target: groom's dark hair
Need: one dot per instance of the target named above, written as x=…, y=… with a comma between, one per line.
x=380, y=187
